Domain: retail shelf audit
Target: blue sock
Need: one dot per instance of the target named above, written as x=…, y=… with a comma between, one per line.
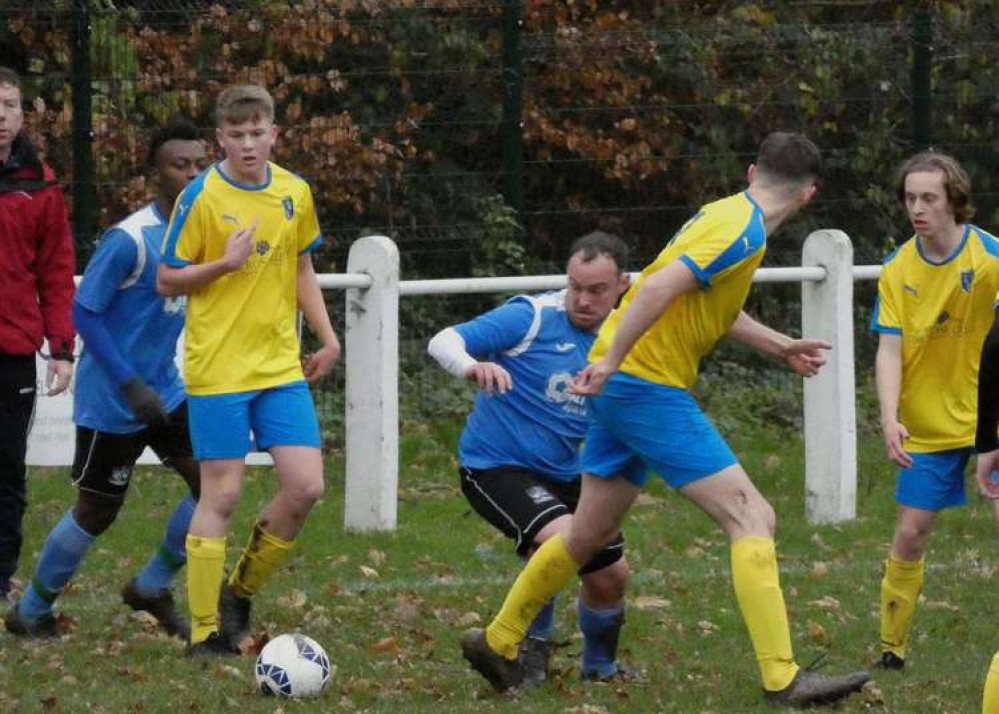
x=543, y=627
x=601, y=629
x=172, y=553
x=61, y=557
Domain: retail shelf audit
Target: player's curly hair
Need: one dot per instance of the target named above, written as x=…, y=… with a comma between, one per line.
x=956, y=181
x=179, y=127
x=243, y=103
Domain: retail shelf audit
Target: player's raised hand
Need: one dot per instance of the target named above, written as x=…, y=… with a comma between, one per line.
x=238, y=246
x=895, y=435
x=985, y=469
x=320, y=363
x=806, y=357
x=490, y=377
x=592, y=378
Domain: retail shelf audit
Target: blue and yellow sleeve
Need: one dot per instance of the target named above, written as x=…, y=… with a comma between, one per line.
x=184, y=241
x=886, y=319
x=721, y=248
x=309, y=235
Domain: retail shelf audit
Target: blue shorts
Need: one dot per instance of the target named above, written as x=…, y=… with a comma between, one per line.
x=638, y=426
x=279, y=416
x=934, y=481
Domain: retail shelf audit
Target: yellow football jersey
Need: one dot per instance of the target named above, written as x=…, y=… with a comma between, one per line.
x=241, y=332
x=722, y=245
x=942, y=312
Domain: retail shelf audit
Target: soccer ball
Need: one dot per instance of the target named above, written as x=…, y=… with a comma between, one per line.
x=292, y=666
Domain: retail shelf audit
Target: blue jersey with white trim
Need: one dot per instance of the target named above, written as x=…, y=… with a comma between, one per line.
x=120, y=284
x=538, y=424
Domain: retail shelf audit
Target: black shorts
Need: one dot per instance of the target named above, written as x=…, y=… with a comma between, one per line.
x=104, y=461
x=520, y=502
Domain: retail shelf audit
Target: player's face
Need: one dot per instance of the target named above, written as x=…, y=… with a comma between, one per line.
x=927, y=204
x=594, y=287
x=247, y=148
x=177, y=162
x=11, y=116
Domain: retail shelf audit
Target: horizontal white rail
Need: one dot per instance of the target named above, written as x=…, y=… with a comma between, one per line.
x=527, y=283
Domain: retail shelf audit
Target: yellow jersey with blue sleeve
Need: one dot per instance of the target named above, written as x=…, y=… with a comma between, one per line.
x=240, y=333
x=942, y=311
x=722, y=244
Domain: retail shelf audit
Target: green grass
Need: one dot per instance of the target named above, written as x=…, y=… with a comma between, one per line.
x=389, y=607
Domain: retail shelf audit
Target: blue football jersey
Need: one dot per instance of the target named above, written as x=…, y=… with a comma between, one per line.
x=120, y=283
x=538, y=424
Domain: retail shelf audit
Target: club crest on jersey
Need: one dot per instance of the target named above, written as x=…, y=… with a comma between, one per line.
x=967, y=278
x=289, y=207
x=262, y=247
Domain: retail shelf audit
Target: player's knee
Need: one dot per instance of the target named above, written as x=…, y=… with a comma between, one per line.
x=910, y=539
x=222, y=501
x=96, y=514
x=749, y=512
x=609, y=584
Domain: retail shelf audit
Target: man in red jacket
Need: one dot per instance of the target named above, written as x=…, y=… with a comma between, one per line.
x=36, y=296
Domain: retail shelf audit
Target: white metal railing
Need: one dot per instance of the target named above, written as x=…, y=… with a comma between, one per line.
x=827, y=275
x=371, y=341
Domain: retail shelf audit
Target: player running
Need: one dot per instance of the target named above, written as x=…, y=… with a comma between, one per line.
x=129, y=395
x=240, y=243
x=646, y=358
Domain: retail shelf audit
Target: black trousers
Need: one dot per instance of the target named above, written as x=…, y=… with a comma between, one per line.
x=18, y=384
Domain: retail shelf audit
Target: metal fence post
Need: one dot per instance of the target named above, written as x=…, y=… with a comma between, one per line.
x=830, y=406
x=372, y=373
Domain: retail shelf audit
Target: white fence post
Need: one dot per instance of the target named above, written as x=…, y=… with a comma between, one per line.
x=372, y=373
x=830, y=406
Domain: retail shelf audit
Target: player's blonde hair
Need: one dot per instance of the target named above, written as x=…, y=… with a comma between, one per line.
x=956, y=181
x=243, y=103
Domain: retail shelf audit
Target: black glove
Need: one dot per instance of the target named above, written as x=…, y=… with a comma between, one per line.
x=144, y=402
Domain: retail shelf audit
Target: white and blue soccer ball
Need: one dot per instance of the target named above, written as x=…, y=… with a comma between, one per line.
x=293, y=666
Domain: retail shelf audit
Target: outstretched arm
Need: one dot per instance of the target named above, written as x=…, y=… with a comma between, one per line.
x=448, y=348
x=803, y=356
x=312, y=305
x=654, y=295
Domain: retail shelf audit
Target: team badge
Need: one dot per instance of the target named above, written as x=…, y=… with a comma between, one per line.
x=289, y=207
x=262, y=247
x=943, y=317
x=967, y=278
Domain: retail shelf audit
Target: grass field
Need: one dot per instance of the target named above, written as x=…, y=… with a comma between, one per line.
x=389, y=607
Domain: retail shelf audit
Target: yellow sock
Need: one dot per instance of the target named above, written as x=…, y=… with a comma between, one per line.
x=900, y=589
x=548, y=571
x=205, y=564
x=990, y=700
x=757, y=589
x=264, y=553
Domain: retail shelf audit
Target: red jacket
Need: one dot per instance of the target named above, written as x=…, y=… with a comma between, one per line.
x=36, y=256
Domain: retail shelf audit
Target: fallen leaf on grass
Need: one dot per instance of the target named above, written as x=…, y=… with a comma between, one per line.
x=818, y=633
x=648, y=602
x=818, y=542
x=50, y=702
x=941, y=605
x=231, y=671
x=368, y=572
x=387, y=645
x=376, y=556
x=707, y=627
x=254, y=643
x=819, y=571
x=469, y=618
x=295, y=600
